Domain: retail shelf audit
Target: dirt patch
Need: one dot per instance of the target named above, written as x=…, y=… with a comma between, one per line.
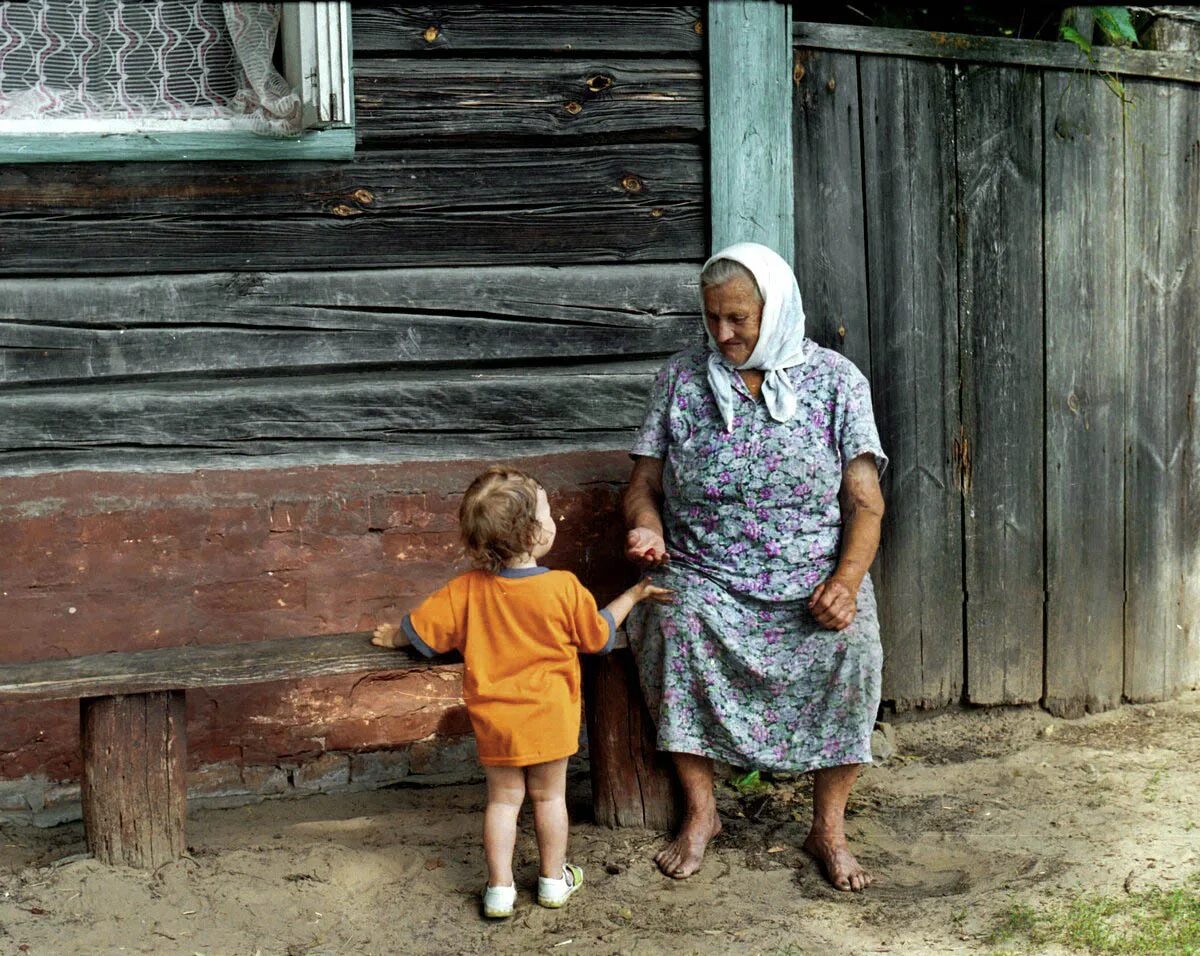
x=979, y=811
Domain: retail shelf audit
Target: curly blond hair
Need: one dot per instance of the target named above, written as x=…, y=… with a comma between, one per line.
x=498, y=517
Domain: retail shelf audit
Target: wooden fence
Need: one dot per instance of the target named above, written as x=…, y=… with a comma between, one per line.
x=1006, y=239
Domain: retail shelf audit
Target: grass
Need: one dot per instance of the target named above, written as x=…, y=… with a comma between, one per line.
x=1156, y=922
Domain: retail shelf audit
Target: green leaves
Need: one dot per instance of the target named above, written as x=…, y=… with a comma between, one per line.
x=1116, y=25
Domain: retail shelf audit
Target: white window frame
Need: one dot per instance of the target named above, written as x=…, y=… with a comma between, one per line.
x=316, y=45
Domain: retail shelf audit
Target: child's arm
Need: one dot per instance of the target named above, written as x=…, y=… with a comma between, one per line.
x=643, y=590
x=389, y=635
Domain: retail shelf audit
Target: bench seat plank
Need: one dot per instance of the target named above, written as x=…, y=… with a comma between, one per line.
x=195, y=666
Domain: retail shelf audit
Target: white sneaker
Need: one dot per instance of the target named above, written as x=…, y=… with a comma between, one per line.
x=554, y=893
x=498, y=901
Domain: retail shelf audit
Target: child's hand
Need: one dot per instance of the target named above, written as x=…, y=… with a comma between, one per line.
x=386, y=635
x=646, y=590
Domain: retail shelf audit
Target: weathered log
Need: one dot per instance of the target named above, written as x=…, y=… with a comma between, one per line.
x=633, y=785
x=134, y=788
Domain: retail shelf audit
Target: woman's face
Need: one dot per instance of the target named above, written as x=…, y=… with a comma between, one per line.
x=733, y=311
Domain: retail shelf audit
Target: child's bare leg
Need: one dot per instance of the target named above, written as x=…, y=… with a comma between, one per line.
x=547, y=786
x=505, y=793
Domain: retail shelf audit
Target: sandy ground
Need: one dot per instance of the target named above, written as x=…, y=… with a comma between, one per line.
x=979, y=810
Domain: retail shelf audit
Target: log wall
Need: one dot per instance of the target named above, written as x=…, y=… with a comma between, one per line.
x=222, y=383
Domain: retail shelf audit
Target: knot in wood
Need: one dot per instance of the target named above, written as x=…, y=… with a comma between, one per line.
x=656, y=213
x=364, y=197
x=344, y=209
x=431, y=33
x=573, y=107
x=698, y=28
x=599, y=82
x=831, y=85
x=631, y=184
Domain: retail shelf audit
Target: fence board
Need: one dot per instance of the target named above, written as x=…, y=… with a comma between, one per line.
x=908, y=146
x=1085, y=386
x=74, y=329
x=548, y=27
x=600, y=204
x=405, y=102
x=1162, y=513
x=968, y=48
x=830, y=247
x=999, y=148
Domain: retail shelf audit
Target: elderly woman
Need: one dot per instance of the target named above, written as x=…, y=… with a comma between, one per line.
x=755, y=496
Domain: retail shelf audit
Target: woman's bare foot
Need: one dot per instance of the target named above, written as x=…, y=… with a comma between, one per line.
x=842, y=870
x=682, y=857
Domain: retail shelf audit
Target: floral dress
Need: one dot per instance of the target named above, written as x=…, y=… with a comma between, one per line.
x=736, y=667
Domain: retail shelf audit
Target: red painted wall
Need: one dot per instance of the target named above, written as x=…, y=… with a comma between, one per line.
x=96, y=562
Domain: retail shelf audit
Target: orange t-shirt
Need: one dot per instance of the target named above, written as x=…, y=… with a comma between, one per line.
x=520, y=633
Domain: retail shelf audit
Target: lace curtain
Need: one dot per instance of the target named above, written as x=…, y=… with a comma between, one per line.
x=161, y=60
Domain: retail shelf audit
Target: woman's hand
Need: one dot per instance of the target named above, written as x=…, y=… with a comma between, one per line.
x=646, y=547
x=833, y=605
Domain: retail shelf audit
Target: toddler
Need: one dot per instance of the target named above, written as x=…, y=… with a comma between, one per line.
x=520, y=628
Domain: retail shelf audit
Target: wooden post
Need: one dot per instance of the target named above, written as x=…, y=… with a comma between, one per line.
x=134, y=791
x=632, y=784
x=750, y=123
x=1174, y=28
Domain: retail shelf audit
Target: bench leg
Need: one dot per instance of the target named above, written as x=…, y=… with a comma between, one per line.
x=134, y=790
x=632, y=784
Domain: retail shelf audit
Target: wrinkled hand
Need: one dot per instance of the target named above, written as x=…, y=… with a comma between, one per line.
x=385, y=635
x=833, y=605
x=646, y=547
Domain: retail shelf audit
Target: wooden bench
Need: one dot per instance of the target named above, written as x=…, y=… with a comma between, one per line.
x=133, y=732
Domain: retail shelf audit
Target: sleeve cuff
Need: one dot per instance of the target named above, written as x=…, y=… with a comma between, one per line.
x=414, y=638
x=612, y=632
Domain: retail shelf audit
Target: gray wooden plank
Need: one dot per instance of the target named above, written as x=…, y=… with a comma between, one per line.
x=406, y=208
x=417, y=446
x=999, y=153
x=405, y=102
x=547, y=27
x=831, y=251
x=530, y=402
x=1085, y=390
x=1162, y=478
x=202, y=666
x=750, y=139
x=966, y=48
x=68, y=329
x=908, y=148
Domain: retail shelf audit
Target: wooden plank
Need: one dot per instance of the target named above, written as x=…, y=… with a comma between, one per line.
x=198, y=666
x=403, y=102
x=1085, y=392
x=74, y=328
x=418, y=446
x=527, y=403
x=831, y=250
x=545, y=27
x=908, y=145
x=224, y=145
x=965, y=48
x=749, y=102
x=999, y=151
x=1162, y=478
x=631, y=203
x=633, y=784
x=134, y=782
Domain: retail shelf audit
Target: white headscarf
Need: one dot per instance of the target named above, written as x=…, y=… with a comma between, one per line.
x=781, y=342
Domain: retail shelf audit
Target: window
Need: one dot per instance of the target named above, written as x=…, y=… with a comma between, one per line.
x=174, y=79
